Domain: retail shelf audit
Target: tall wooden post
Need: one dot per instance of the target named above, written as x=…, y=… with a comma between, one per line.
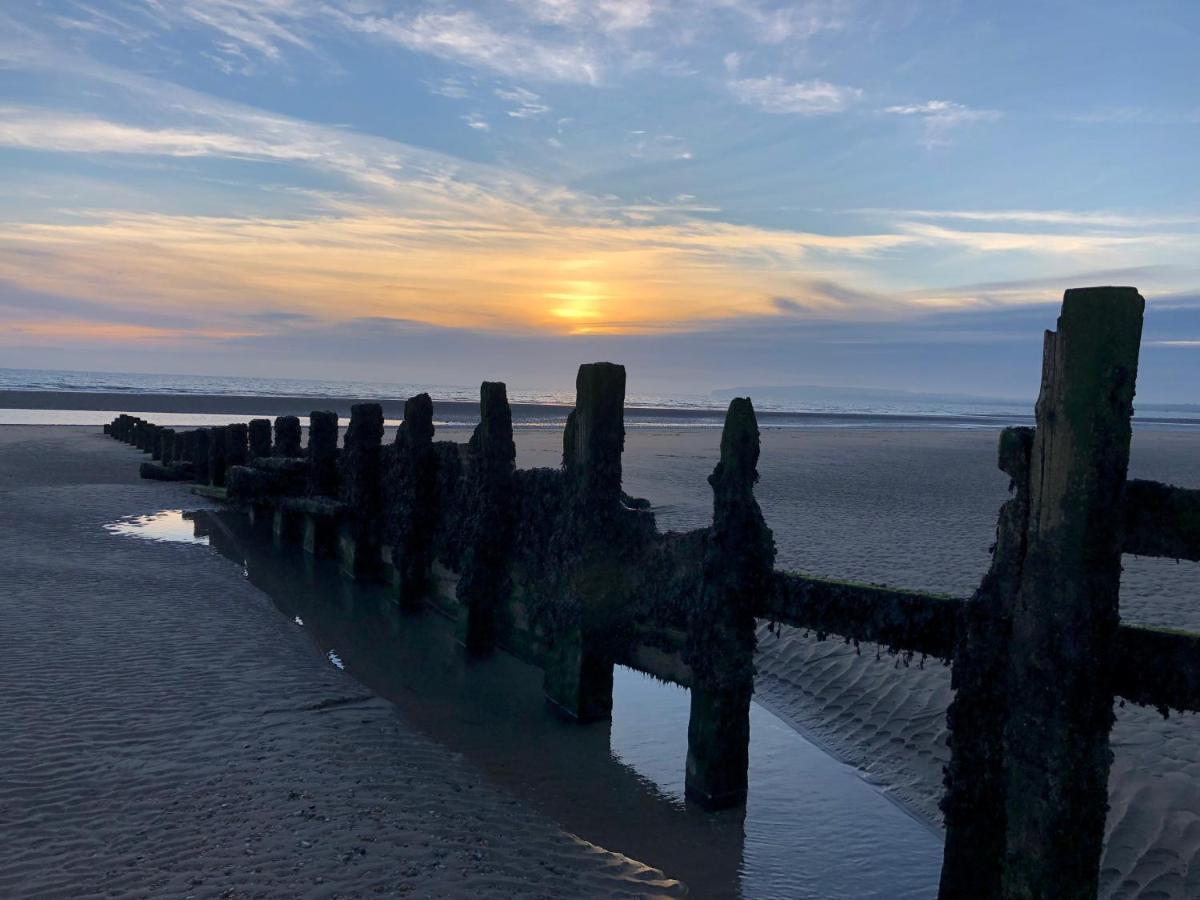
x=322, y=453
x=216, y=455
x=287, y=436
x=579, y=667
x=974, y=801
x=411, y=498
x=260, y=438
x=236, y=444
x=739, y=559
x=359, y=489
x=1066, y=617
x=485, y=582
x=200, y=447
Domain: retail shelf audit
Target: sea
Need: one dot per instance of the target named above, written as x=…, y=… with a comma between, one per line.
x=177, y=400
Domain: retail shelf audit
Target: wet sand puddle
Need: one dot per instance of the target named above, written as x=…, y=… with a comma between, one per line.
x=811, y=827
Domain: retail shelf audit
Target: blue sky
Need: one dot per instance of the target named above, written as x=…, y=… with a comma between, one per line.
x=717, y=191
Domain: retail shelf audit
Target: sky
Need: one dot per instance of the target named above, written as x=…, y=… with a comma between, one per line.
x=715, y=192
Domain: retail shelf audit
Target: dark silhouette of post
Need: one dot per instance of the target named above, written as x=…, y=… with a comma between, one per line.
x=260, y=438
x=322, y=453
x=217, y=444
x=359, y=489
x=1066, y=616
x=287, y=437
x=973, y=802
x=739, y=560
x=579, y=666
x=411, y=488
x=485, y=585
x=236, y=444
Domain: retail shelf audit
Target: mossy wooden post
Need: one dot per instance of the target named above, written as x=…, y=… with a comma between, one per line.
x=485, y=583
x=200, y=448
x=166, y=443
x=1066, y=617
x=287, y=437
x=217, y=443
x=236, y=444
x=155, y=447
x=260, y=438
x=579, y=665
x=322, y=453
x=411, y=497
x=739, y=558
x=974, y=800
x=359, y=488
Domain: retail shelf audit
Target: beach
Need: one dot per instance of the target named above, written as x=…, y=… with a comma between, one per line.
x=165, y=736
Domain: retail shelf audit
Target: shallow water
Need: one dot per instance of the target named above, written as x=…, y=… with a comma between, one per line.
x=168, y=525
x=811, y=826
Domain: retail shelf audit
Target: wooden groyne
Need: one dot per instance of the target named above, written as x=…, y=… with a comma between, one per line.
x=563, y=569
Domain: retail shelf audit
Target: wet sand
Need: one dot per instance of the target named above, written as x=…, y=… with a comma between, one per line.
x=912, y=508
x=163, y=735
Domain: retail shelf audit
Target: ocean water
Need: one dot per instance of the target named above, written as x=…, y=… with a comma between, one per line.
x=456, y=405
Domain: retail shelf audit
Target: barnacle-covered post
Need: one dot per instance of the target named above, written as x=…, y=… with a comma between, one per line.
x=359, y=489
x=236, y=442
x=322, y=453
x=287, y=436
x=1066, y=618
x=739, y=557
x=200, y=447
x=260, y=438
x=410, y=492
x=166, y=443
x=485, y=583
x=974, y=799
x=217, y=444
x=579, y=665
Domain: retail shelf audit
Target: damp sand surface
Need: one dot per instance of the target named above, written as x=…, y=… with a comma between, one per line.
x=903, y=507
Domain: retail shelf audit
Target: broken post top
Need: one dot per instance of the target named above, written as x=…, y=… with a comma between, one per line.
x=366, y=426
x=417, y=428
x=1016, y=444
x=595, y=435
x=322, y=434
x=737, y=471
x=287, y=436
x=493, y=437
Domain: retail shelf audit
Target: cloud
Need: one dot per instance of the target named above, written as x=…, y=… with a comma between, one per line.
x=775, y=95
x=528, y=104
x=466, y=38
x=476, y=121
x=940, y=117
x=1041, y=217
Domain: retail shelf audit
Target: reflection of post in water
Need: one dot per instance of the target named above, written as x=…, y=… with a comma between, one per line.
x=489, y=709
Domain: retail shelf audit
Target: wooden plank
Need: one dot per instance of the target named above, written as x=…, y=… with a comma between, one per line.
x=1162, y=520
x=1158, y=667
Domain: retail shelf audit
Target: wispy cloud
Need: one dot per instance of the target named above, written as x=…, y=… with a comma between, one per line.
x=527, y=103
x=939, y=118
x=775, y=95
x=1098, y=219
x=465, y=37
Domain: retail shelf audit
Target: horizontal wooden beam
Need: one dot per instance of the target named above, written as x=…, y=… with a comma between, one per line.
x=1158, y=667
x=898, y=619
x=1162, y=520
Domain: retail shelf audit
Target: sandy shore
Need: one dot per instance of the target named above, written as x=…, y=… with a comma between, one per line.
x=912, y=508
x=164, y=733
x=917, y=509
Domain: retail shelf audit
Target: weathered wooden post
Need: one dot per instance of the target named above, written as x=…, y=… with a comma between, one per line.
x=217, y=444
x=287, y=436
x=155, y=448
x=166, y=443
x=411, y=492
x=200, y=451
x=260, y=438
x=739, y=558
x=974, y=800
x=485, y=583
x=359, y=490
x=236, y=442
x=322, y=453
x=579, y=667
x=1066, y=616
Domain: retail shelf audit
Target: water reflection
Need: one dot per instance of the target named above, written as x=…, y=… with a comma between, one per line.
x=168, y=525
x=811, y=827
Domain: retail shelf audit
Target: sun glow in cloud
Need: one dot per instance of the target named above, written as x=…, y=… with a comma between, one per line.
x=544, y=171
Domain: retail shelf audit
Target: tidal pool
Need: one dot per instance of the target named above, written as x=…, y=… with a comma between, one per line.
x=811, y=826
